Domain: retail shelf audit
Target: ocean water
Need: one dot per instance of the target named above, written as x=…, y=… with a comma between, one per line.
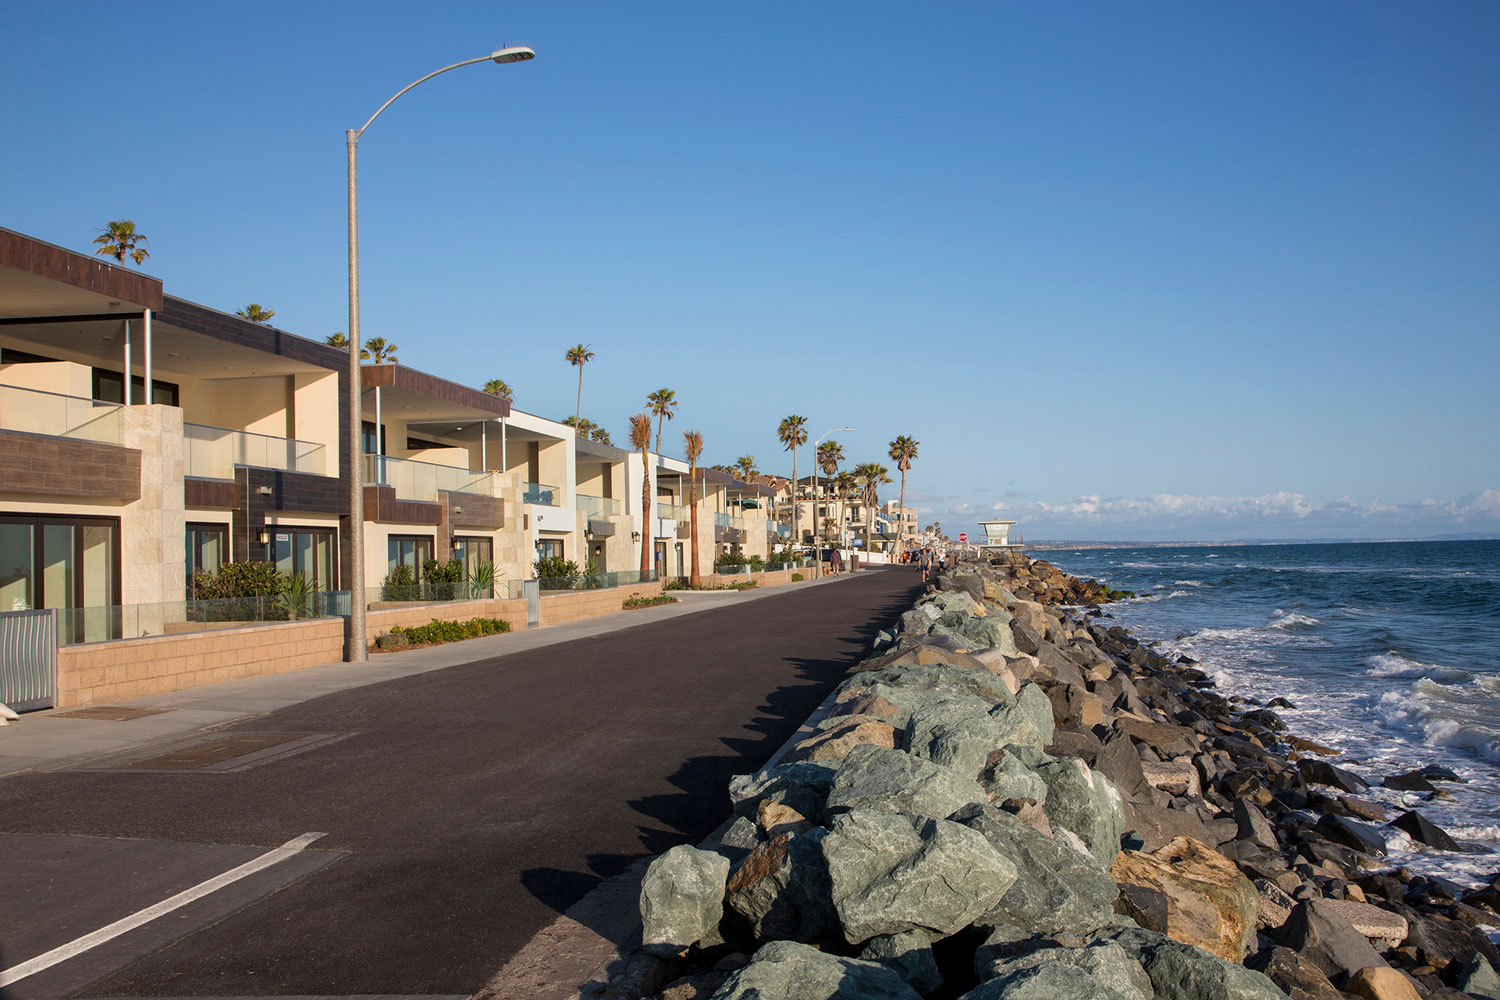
x=1390, y=652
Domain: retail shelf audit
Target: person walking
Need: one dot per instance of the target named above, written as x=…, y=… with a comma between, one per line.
x=837, y=561
x=925, y=562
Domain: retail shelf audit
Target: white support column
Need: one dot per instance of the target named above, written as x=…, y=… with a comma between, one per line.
x=128, y=386
x=379, y=427
x=504, y=458
x=484, y=447
x=147, y=392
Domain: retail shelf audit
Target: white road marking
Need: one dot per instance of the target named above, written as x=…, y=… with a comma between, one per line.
x=80, y=945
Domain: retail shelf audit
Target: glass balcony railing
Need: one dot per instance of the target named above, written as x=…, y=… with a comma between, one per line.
x=673, y=512
x=597, y=507
x=414, y=480
x=32, y=411
x=541, y=493
x=213, y=452
x=729, y=521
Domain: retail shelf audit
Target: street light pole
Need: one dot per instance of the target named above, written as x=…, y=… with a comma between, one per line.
x=818, y=527
x=356, y=540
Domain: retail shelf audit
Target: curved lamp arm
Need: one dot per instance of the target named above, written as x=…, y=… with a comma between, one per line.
x=514, y=53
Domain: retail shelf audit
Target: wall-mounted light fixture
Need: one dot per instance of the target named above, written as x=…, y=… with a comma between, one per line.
x=635, y=536
x=265, y=536
x=588, y=533
x=264, y=491
x=458, y=510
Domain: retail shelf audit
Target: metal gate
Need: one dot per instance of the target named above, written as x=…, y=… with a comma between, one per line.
x=28, y=659
x=532, y=591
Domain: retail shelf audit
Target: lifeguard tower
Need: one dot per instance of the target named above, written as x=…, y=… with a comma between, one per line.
x=997, y=537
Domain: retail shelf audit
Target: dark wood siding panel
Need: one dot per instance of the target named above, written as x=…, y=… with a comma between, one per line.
x=381, y=505
x=56, y=264
x=62, y=468
x=430, y=385
x=215, y=494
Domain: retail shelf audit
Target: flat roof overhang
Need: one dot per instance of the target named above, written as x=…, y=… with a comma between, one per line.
x=40, y=279
x=418, y=396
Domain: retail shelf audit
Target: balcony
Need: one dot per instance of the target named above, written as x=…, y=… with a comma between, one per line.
x=32, y=411
x=422, y=481
x=213, y=453
x=673, y=512
x=729, y=521
x=541, y=493
x=596, y=508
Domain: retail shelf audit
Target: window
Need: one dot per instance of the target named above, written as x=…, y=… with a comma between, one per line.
x=471, y=550
x=68, y=563
x=408, y=550
x=417, y=444
x=110, y=388
x=549, y=548
x=307, y=552
x=207, y=549
x=367, y=438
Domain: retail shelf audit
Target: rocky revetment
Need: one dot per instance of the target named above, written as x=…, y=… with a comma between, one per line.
x=1012, y=798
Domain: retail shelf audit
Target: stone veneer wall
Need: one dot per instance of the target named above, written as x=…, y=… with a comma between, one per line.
x=152, y=529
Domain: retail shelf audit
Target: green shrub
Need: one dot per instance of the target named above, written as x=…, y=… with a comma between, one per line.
x=452, y=631
x=757, y=563
x=798, y=577
x=556, y=573
x=675, y=583
x=482, y=582
x=742, y=585
x=731, y=559
x=442, y=579
x=238, y=579
x=648, y=602
x=393, y=639
x=400, y=584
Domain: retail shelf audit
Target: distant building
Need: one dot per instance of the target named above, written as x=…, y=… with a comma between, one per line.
x=997, y=535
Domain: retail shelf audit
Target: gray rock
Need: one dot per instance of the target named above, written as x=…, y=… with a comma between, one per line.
x=1086, y=804
x=682, y=899
x=1007, y=778
x=1320, y=772
x=992, y=633
x=1478, y=978
x=1103, y=961
x=1056, y=891
x=892, y=872
x=889, y=779
x=1323, y=937
x=909, y=955
x=782, y=889
x=742, y=837
x=1184, y=972
x=803, y=786
x=955, y=732
x=1052, y=981
x=786, y=970
x=1351, y=833
x=1296, y=975
x=1033, y=715
x=1424, y=831
x=1275, y=905
x=1253, y=826
x=939, y=677
x=1056, y=667
x=1027, y=639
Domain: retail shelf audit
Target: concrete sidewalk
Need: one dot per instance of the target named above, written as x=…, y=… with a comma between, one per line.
x=55, y=738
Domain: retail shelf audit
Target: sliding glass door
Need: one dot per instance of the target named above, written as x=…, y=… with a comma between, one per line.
x=309, y=552
x=68, y=563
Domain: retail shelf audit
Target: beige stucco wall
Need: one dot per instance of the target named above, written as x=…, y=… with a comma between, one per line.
x=262, y=404
x=67, y=378
x=315, y=415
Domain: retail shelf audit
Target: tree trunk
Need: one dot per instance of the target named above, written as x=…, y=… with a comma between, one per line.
x=796, y=535
x=646, y=540
x=578, y=410
x=901, y=518
x=695, y=576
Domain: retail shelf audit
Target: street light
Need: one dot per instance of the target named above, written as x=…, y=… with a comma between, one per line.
x=817, y=528
x=357, y=651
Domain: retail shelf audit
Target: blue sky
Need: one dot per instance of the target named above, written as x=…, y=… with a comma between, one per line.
x=1126, y=271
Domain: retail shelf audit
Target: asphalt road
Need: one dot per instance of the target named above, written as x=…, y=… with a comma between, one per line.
x=463, y=809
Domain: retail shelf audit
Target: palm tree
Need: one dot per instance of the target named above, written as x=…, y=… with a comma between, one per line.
x=578, y=356
x=498, y=387
x=830, y=454
x=256, y=313
x=745, y=467
x=844, y=486
x=693, y=446
x=600, y=435
x=120, y=240
x=342, y=343
x=728, y=470
x=792, y=433
x=903, y=453
x=640, y=437
x=380, y=351
x=662, y=404
x=871, y=476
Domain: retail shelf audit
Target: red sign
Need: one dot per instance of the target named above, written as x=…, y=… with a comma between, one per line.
x=963, y=536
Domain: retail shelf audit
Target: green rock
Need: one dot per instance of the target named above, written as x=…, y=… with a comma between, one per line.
x=786, y=970
x=883, y=778
x=1087, y=804
x=682, y=899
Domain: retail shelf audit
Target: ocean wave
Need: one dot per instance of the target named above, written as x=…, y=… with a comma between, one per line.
x=1191, y=583
x=1415, y=710
x=1485, y=833
x=1292, y=620
x=1397, y=665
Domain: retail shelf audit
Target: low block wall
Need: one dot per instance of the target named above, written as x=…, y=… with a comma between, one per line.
x=763, y=578
x=131, y=668
x=573, y=605
x=512, y=610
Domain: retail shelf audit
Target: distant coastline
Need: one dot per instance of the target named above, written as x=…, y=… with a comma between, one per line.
x=1065, y=544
